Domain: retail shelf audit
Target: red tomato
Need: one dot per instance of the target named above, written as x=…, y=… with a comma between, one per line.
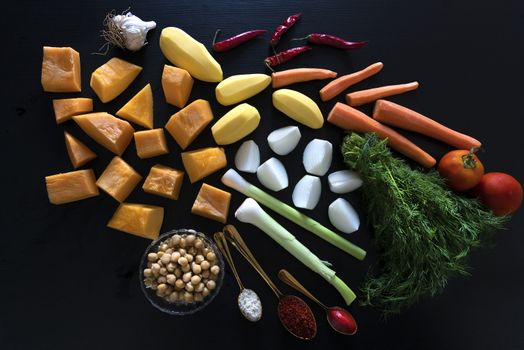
x=499, y=192
x=461, y=169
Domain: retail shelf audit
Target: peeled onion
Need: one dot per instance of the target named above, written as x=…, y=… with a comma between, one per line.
x=248, y=157
x=306, y=193
x=344, y=181
x=317, y=157
x=343, y=216
x=284, y=140
x=272, y=174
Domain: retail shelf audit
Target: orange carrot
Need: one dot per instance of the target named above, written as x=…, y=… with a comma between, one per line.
x=298, y=75
x=349, y=118
x=338, y=85
x=362, y=97
x=396, y=115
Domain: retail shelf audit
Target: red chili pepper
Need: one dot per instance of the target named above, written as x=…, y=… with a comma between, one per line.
x=284, y=27
x=236, y=40
x=285, y=56
x=335, y=41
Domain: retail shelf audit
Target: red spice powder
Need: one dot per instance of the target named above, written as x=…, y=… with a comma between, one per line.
x=297, y=317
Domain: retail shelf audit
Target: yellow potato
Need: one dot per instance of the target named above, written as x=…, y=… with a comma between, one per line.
x=299, y=107
x=236, y=124
x=237, y=88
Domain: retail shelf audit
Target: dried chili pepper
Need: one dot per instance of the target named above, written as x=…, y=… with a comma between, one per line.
x=331, y=40
x=236, y=40
x=284, y=27
x=285, y=56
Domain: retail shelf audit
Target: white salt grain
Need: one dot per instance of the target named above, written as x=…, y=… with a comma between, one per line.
x=250, y=305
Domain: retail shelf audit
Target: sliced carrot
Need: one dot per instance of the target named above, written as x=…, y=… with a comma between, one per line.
x=396, y=115
x=298, y=75
x=362, y=97
x=349, y=118
x=340, y=84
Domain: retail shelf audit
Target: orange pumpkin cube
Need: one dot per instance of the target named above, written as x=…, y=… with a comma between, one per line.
x=164, y=181
x=112, y=133
x=177, y=84
x=139, y=109
x=65, y=108
x=72, y=186
x=61, y=70
x=138, y=219
x=150, y=143
x=212, y=203
x=188, y=123
x=203, y=162
x=112, y=78
x=118, y=179
x=79, y=154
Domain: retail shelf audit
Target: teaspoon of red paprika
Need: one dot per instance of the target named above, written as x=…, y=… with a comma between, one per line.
x=338, y=318
x=293, y=312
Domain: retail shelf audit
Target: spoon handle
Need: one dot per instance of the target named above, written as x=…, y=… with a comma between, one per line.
x=224, y=249
x=236, y=240
x=291, y=281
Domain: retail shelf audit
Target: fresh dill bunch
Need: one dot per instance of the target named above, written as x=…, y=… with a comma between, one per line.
x=422, y=230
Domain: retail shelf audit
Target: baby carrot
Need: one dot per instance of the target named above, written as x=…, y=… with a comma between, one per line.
x=349, y=118
x=297, y=75
x=340, y=84
x=362, y=97
x=396, y=115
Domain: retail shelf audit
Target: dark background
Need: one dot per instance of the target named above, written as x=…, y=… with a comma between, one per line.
x=67, y=281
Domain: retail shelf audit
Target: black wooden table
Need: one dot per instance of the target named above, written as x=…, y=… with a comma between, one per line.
x=70, y=282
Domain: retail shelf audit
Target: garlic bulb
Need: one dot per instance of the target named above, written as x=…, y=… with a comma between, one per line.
x=127, y=31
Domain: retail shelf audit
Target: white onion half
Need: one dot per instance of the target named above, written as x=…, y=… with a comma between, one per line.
x=272, y=174
x=344, y=181
x=306, y=193
x=343, y=216
x=284, y=140
x=247, y=158
x=317, y=157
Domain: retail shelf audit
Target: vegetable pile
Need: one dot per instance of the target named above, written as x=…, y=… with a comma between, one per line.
x=423, y=230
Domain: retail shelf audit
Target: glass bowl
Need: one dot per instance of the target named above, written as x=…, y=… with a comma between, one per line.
x=180, y=307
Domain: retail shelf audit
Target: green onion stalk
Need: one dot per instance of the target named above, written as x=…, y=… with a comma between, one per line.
x=251, y=212
x=234, y=180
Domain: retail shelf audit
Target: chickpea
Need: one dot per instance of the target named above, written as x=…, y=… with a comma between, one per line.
x=152, y=257
x=169, y=250
x=162, y=280
x=215, y=269
x=182, y=251
x=169, y=290
x=195, y=280
x=175, y=240
x=163, y=247
x=190, y=240
x=196, y=268
x=171, y=279
x=160, y=263
x=188, y=297
x=210, y=256
x=155, y=268
x=163, y=271
x=189, y=257
x=187, y=277
x=205, y=292
x=200, y=287
x=198, y=297
x=205, y=265
x=178, y=272
x=205, y=251
x=205, y=274
x=175, y=256
x=198, y=243
x=166, y=258
x=189, y=287
x=192, y=251
x=173, y=297
x=211, y=285
x=161, y=288
x=186, y=268
x=148, y=273
x=199, y=258
x=182, y=243
x=179, y=284
x=183, y=261
x=159, y=254
x=171, y=267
